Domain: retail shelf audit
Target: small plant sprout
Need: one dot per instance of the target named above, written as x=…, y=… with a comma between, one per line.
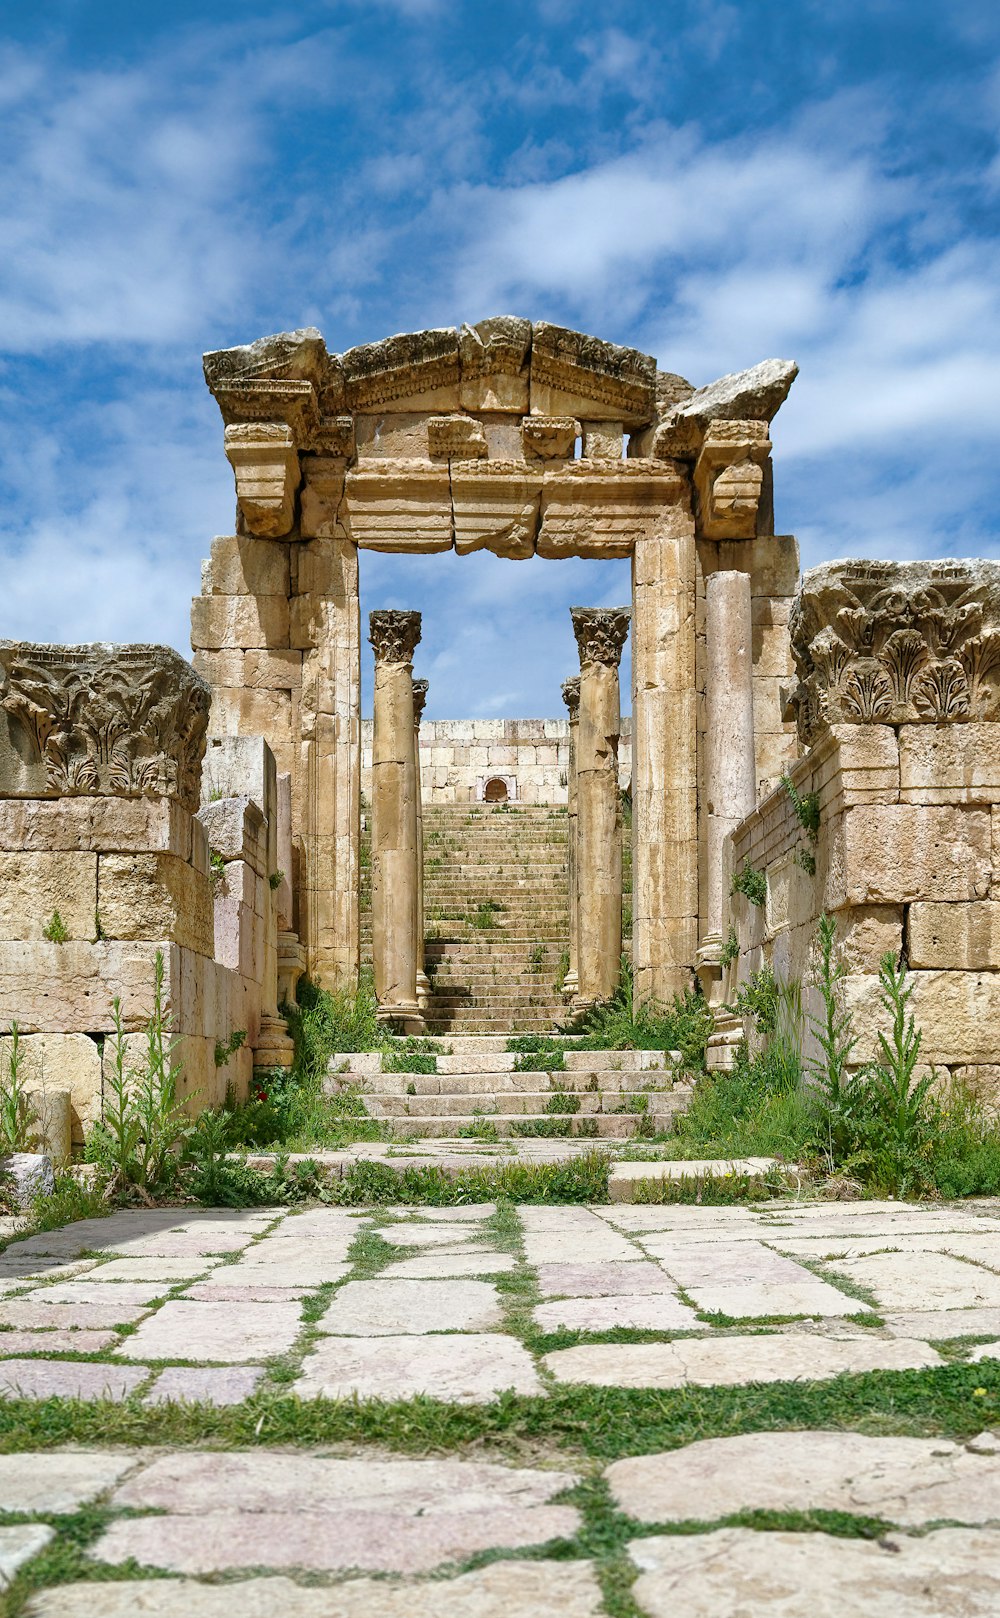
x=55, y=929
x=225, y=1049
x=275, y=880
x=752, y=884
x=17, y=1113
x=805, y=806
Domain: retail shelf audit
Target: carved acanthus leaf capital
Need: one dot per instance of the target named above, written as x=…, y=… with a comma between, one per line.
x=419, y=700
x=600, y=634
x=571, y=696
x=394, y=635
x=896, y=643
x=119, y=721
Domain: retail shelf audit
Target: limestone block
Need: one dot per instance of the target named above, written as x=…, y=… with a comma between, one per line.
x=894, y=853
x=270, y=670
x=242, y=766
x=771, y=560
x=241, y=711
x=455, y=436
x=504, y=441
x=867, y=762
x=68, y=988
x=984, y=1082
x=494, y=364
x=959, y=1013
x=238, y=621
x=244, y=566
x=399, y=505
x=414, y=371
x=791, y=895
x=56, y=1063
x=30, y=1175
x=603, y=508
x=602, y=440
x=236, y=831
x=115, y=825
x=949, y=763
x=573, y=374
x=155, y=896
x=550, y=438
x=772, y=649
x=322, y=492
x=867, y=932
x=34, y=886
x=53, y=1122
x=495, y=507
x=266, y=464
x=957, y=936
x=729, y=478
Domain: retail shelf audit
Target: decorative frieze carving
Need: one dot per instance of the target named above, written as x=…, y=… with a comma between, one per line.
x=729, y=478
x=600, y=633
x=495, y=506
x=494, y=360
x=605, y=508
x=896, y=643
x=120, y=721
x=568, y=365
x=399, y=370
x=456, y=436
x=265, y=462
x=287, y=377
x=550, y=438
x=395, y=635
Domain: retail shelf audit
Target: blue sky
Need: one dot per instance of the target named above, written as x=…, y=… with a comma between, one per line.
x=713, y=182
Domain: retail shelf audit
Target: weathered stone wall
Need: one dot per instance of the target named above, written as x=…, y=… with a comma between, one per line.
x=459, y=756
x=899, y=705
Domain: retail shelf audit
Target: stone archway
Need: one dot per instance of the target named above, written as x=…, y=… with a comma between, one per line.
x=466, y=440
x=495, y=790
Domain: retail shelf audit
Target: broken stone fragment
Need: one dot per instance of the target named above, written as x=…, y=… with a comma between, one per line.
x=27, y=1175
x=754, y=395
x=283, y=355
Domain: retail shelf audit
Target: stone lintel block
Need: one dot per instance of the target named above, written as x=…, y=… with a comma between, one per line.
x=399, y=505
x=236, y=830
x=604, y=508
x=33, y=886
x=550, y=438
x=393, y=436
x=105, y=825
x=241, y=565
x=455, y=436
x=265, y=461
x=241, y=621
x=61, y=1062
x=771, y=560
x=897, y=853
x=155, y=896
x=495, y=507
x=957, y=763
x=964, y=937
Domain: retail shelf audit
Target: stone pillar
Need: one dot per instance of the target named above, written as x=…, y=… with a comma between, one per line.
x=600, y=634
x=423, y=982
x=665, y=748
x=394, y=636
x=730, y=771
x=571, y=697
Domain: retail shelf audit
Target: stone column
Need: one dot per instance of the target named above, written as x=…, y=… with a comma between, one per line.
x=394, y=635
x=730, y=772
x=600, y=634
x=571, y=697
x=423, y=982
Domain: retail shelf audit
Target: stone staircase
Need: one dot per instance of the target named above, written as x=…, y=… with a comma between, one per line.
x=477, y=1092
x=496, y=917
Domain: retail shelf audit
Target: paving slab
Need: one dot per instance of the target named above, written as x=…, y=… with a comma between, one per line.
x=229, y=1332
x=26, y=1270
x=131, y=1294
x=597, y=1243
x=985, y=1351
x=32, y=1314
x=729, y=1361
x=249, y=1290
x=597, y=1280
x=388, y=1308
x=18, y=1544
x=736, y=1571
x=68, y=1379
x=307, y=1256
x=305, y=1274
x=283, y=1511
x=55, y=1481
x=60, y=1341
x=917, y=1280
x=681, y=1216
x=535, y=1589
x=441, y=1263
x=179, y=1244
x=165, y=1272
x=212, y=1384
x=747, y=1278
x=467, y=1213
x=461, y=1368
x=320, y=1225
x=426, y=1235
x=906, y=1481
x=943, y=1323
x=648, y=1311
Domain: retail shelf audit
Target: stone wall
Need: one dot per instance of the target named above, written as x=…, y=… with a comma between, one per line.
x=459, y=757
x=899, y=709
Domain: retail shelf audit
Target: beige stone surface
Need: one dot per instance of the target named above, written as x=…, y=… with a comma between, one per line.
x=33, y=886
x=387, y=1308
x=919, y=1280
x=894, y=853
x=33, y=1313
x=242, y=565
x=61, y=1062
x=534, y=1589
x=737, y=1571
x=239, y=621
x=943, y=1323
x=411, y=1234
x=949, y=763
x=155, y=896
x=597, y=1279
x=729, y=1361
x=463, y=1368
x=43, y=1340
x=747, y=1279
x=600, y=635
x=399, y=505
x=266, y=465
x=650, y=1311
x=68, y=1379
x=443, y=1262
x=101, y=824
x=963, y=937
x=909, y=1481
x=225, y=1331
x=18, y=1544
x=58, y=1481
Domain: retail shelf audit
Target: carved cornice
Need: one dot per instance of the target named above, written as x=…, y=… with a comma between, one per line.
x=896, y=643
x=571, y=697
x=394, y=635
x=120, y=721
x=600, y=633
x=419, y=700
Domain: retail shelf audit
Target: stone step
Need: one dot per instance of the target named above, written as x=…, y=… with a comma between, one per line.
x=473, y=1087
x=604, y=1126
x=512, y=1103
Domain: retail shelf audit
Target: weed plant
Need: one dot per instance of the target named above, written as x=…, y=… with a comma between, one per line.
x=17, y=1112
x=619, y=1024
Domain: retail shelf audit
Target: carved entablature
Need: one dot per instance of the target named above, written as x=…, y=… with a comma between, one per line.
x=394, y=635
x=455, y=436
x=400, y=369
x=571, y=697
x=621, y=381
x=419, y=700
x=600, y=633
x=896, y=643
x=119, y=721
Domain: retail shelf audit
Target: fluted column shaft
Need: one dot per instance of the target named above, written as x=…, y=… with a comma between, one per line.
x=730, y=770
x=423, y=982
x=394, y=636
x=600, y=634
x=571, y=697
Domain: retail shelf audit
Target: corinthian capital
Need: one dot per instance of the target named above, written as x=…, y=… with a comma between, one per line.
x=394, y=635
x=571, y=696
x=419, y=700
x=600, y=633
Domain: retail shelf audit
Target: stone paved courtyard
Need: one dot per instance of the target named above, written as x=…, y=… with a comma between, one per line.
x=502, y=1311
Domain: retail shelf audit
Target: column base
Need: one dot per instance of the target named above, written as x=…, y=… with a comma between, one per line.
x=571, y=985
x=720, y=1055
x=408, y=1017
x=291, y=966
x=424, y=990
x=274, y=1047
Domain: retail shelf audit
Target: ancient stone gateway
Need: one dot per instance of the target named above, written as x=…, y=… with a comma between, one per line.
x=468, y=440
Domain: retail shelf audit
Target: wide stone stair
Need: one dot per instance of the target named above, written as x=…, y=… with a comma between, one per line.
x=478, y=1091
